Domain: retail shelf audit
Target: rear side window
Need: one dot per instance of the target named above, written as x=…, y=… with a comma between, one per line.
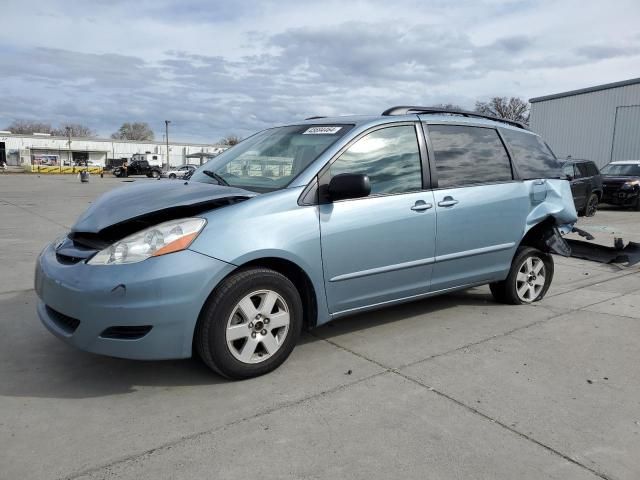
x=531, y=155
x=468, y=155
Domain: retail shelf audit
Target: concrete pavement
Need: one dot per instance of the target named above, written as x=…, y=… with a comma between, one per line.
x=452, y=387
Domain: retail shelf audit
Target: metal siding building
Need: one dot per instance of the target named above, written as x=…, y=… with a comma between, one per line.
x=600, y=123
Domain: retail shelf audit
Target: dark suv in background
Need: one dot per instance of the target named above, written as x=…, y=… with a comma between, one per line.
x=138, y=167
x=622, y=183
x=586, y=185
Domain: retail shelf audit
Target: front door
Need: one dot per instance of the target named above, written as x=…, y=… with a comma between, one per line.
x=380, y=248
x=481, y=211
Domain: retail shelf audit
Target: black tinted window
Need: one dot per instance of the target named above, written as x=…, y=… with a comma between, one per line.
x=592, y=169
x=531, y=155
x=390, y=158
x=582, y=170
x=468, y=155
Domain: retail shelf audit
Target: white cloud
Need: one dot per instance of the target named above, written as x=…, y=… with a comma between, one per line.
x=220, y=67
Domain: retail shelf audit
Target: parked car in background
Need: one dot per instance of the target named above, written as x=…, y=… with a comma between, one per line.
x=179, y=172
x=85, y=163
x=621, y=183
x=138, y=167
x=113, y=163
x=586, y=185
x=306, y=223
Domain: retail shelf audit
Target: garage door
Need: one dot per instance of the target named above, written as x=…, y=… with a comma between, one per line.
x=626, y=136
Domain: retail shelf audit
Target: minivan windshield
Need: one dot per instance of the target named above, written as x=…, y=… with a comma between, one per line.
x=270, y=159
x=621, y=169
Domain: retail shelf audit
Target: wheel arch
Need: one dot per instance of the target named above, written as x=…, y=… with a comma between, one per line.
x=298, y=276
x=538, y=235
x=300, y=280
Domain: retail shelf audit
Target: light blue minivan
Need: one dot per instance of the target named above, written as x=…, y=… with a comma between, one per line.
x=302, y=224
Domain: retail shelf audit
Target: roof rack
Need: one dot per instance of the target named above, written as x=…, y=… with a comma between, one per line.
x=406, y=110
x=315, y=118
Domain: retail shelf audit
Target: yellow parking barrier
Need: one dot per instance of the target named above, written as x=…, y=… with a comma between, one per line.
x=60, y=169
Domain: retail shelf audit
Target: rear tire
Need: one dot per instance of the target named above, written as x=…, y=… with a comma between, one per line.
x=529, y=278
x=155, y=174
x=250, y=324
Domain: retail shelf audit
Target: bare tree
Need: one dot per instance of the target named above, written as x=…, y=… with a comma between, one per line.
x=134, y=131
x=74, y=129
x=448, y=106
x=230, y=140
x=513, y=108
x=27, y=127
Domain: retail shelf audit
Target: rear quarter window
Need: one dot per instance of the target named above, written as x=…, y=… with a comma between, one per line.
x=532, y=156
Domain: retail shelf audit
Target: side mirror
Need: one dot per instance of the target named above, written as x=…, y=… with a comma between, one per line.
x=349, y=185
x=570, y=178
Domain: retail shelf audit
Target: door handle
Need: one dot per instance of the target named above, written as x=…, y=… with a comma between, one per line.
x=421, y=206
x=448, y=202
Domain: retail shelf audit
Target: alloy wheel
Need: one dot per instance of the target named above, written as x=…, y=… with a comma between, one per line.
x=530, y=279
x=257, y=326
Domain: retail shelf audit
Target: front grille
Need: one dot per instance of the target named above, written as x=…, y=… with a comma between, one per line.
x=89, y=241
x=67, y=259
x=62, y=321
x=123, y=332
x=71, y=251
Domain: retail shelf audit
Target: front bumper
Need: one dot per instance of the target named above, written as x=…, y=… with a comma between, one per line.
x=166, y=293
x=621, y=197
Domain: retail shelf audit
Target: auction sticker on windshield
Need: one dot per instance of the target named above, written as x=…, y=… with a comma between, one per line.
x=322, y=130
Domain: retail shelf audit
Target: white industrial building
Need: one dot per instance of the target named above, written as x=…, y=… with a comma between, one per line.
x=44, y=149
x=600, y=123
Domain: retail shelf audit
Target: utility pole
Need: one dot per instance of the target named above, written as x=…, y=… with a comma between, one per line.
x=68, y=129
x=166, y=130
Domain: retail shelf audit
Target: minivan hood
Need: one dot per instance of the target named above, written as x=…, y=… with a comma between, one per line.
x=143, y=204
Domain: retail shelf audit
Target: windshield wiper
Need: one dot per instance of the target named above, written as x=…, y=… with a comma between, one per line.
x=216, y=177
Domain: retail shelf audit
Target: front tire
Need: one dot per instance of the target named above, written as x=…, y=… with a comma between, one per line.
x=250, y=324
x=529, y=278
x=155, y=174
x=172, y=176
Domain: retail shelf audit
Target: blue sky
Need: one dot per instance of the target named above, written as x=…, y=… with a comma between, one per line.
x=220, y=67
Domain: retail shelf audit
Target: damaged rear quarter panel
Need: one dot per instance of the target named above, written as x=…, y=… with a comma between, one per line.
x=558, y=204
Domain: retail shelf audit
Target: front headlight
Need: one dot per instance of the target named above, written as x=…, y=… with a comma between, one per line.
x=631, y=184
x=161, y=239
